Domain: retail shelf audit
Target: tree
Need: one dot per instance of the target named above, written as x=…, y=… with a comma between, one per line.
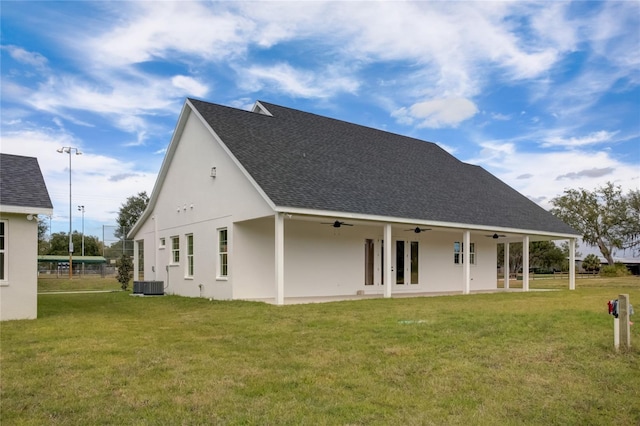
x=546, y=255
x=605, y=217
x=43, y=228
x=59, y=244
x=542, y=254
x=125, y=271
x=591, y=263
x=129, y=213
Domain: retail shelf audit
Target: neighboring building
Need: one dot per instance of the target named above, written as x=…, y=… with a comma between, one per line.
x=23, y=195
x=275, y=202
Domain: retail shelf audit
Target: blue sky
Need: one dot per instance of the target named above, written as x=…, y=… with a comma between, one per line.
x=544, y=95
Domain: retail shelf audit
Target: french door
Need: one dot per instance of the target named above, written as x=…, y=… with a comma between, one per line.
x=407, y=268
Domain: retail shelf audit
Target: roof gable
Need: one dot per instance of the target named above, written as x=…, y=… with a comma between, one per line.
x=21, y=183
x=303, y=160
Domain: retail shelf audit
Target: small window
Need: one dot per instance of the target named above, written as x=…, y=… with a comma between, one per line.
x=3, y=248
x=458, y=249
x=190, y=255
x=162, y=243
x=175, y=250
x=223, y=259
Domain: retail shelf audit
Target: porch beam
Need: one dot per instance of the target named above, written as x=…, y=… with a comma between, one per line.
x=505, y=269
x=388, y=262
x=572, y=264
x=525, y=263
x=279, y=258
x=466, y=261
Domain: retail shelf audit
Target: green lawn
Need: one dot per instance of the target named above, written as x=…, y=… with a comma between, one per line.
x=52, y=283
x=510, y=359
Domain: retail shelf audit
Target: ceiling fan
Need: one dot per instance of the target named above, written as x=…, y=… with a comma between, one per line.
x=496, y=236
x=418, y=230
x=337, y=224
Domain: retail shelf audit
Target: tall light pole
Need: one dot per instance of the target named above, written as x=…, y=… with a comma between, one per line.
x=69, y=150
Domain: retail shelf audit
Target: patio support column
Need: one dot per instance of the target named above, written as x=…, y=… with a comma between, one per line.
x=525, y=263
x=388, y=261
x=572, y=264
x=506, y=264
x=279, y=258
x=466, y=261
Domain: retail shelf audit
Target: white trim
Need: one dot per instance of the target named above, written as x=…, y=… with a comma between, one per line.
x=25, y=210
x=453, y=226
x=219, y=275
x=5, y=281
x=189, y=263
x=258, y=108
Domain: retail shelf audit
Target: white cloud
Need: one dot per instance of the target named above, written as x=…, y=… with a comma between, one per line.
x=30, y=58
x=190, y=85
x=98, y=181
x=437, y=113
x=594, y=138
x=545, y=175
x=298, y=83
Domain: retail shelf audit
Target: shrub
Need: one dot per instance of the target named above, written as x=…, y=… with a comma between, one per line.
x=125, y=270
x=615, y=270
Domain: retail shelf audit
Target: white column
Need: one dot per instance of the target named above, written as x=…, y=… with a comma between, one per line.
x=525, y=263
x=388, y=261
x=279, y=258
x=466, y=261
x=572, y=264
x=506, y=264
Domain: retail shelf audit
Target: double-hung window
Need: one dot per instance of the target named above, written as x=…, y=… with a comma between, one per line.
x=223, y=265
x=175, y=250
x=458, y=253
x=189, y=255
x=3, y=251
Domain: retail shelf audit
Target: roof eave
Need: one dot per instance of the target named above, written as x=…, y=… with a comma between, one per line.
x=25, y=209
x=421, y=222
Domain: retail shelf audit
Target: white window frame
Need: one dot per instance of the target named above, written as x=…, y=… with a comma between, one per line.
x=4, y=280
x=189, y=268
x=223, y=254
x=458, y=253
x=175, y=251
x=163, y=243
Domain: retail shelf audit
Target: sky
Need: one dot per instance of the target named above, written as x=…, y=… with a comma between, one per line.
x=544, y=95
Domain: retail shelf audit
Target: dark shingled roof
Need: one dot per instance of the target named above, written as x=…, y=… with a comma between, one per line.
x=309, y=161
x=21, y=182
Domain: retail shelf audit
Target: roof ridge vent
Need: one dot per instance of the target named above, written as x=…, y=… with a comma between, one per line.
x=260, y=109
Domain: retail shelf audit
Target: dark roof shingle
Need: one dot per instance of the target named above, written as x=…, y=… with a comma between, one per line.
x=21, y=182
x=304, y=160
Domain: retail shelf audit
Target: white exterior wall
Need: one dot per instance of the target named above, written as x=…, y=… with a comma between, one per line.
x=325, y=261
x=445, y=275
x=19, y=292
x=192, y=202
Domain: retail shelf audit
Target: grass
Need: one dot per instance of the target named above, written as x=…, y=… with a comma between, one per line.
x=51, y=283
x=511, y=358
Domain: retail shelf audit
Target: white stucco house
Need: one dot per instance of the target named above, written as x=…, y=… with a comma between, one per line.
x=277, y=203
x=23, y=195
